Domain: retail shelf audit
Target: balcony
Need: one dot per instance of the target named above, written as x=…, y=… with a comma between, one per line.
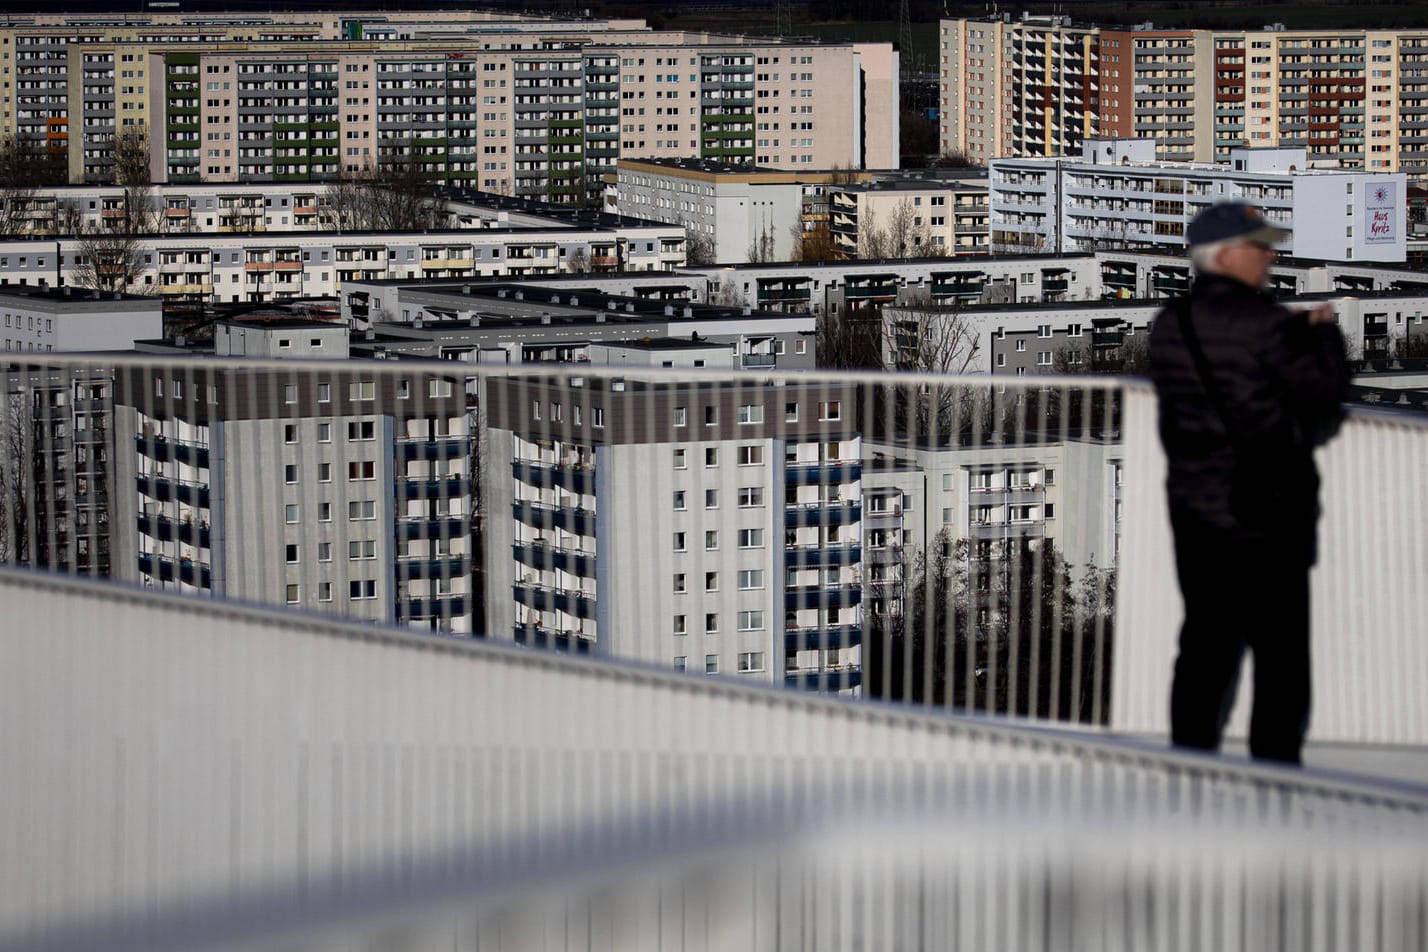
x=416, y=608
x=534, y=636
x=162, y=450
x=571, y=477
x=449, y=487
x=165, y=569
x=1022, y=529
x=823, y=596
x=839, y=513
x=822, y=637
x=543, y=599
x=442, y=448
x=164, y=489
x=169, y=530
x=538, y=516
x=827, y=680
x=758, y=360
x=834, y=471
x=821, y=556
x=446, y=567
x=548, y=558
x=438, y=527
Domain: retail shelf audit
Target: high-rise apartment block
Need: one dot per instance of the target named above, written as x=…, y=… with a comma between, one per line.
x=347, y=493
x=1355, y=99
x=541, y=111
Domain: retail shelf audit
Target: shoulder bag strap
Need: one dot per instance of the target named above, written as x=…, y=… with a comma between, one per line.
x=1202, y=367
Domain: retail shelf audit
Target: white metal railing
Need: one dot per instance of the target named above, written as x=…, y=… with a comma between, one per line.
x=698, y=534
x=185, y=774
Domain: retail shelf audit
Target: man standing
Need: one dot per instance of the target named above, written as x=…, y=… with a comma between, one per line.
x=1247, y=388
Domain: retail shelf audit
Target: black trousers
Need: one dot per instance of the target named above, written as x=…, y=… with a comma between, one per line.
x=1241, y=595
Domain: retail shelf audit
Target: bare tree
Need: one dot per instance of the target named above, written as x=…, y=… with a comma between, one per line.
x=848, y=340
x=109, y=260
x=761, y=248
x=814, y=244
x=25, y=166
x=578, y=262
x=698, y=246
x=16, y=487
x=929, y=339
x=396, y=194
x=905, y=235
x=131, y=172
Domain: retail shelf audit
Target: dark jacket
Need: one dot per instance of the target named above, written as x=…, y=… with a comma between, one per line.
x=1282, y=382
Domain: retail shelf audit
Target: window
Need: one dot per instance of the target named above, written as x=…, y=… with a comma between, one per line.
x=324, y=551
x=711, y=499
x=290, y=473
x=679, y=542
x=751, y=621
x=324, y=393
x=679, y=503
x=1050, y=477
x=751, y=413
x=324, y=591
x=711, y=581
x=832, y=410
x=1050, y=511
x=681, y=662
x=751, y=455
x=681, y=459
x=324, y=472
x=290, y=553
x=290, y=393
x=1020, y=345
x=597, y=417
x=362, y=588
x=711, y=664
x=679, y=625
x=361, y=469
x=711, y=416
x=360, y=549
x=292, y=594
x=361, y=510
x=711, y=456
x=711, y=622
x=290, y=514
x=362, y=390
x=751, y=496
x=324, y=512
x=751, y=661
x=800, y=347
x=1043, y=330
x=711, y=539
x=679, y=588
x=681, y=417
x=790, y=413
x=324, y=432
x=289, y=432
x=751, y=538
x=362, y=430
x=751, y=579
x=438, y=388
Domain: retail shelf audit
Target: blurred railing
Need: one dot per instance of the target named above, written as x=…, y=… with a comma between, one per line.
x=971, y=543
x=183, y=774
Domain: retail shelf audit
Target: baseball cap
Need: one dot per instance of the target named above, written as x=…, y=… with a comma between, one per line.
x=1229, y=221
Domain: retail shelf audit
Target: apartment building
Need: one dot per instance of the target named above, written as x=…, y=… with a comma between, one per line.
x=1118, y=194
x=713, y=527
x=733, y=213
x=1017, y=87
x=236, y=266
x=1352, y=99
x=910, y=215
x=541, y=111
x=311, y=491
x=42, y=320
x=95, y=67
x=511, y=324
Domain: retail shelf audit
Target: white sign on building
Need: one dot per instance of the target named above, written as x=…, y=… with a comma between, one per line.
x=1381, y=213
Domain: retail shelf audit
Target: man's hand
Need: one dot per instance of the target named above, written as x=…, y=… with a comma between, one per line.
x=1323, y=314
